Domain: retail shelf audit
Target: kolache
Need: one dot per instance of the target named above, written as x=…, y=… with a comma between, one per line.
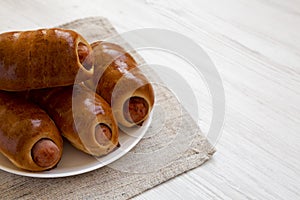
x=99, y=136
x=28, y=137
x=121, y=83
x=54, y=84
x=43, y=58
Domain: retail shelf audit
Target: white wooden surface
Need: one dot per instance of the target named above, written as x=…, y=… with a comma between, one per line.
x=256, y=48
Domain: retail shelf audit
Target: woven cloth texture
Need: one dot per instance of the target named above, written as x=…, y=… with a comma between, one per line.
x=149, y=170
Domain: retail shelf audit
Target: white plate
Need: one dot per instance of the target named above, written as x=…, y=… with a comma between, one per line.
x=75, y=162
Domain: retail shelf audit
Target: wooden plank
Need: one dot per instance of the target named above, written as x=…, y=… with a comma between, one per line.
x=256, y=48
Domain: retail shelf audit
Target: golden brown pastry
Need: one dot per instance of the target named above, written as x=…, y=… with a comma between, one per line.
x=28, y=137
x=89, y=124
x=119, y=81
x=43, y=58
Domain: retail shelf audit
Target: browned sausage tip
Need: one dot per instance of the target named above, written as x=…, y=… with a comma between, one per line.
x=103, y=134
x=84, y=57
x=135, y=109
x=45, y=153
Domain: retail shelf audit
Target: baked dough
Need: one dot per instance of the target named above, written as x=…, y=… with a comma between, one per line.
x=43, y=58
x=118, y=80
x=80, y=123
x=22, y=125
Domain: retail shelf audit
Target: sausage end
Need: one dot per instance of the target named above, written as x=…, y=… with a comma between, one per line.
x=103, y=134
x=135, y=110
x=45, y=153
x=84, y=55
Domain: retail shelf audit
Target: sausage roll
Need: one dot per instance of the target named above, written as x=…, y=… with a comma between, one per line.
x=119, y=81
x=28, y=137
x=83, y=117
x=43, y=58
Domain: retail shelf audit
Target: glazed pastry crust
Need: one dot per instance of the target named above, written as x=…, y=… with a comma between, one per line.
x=22, y=124
x=40, y=59
x=77, y=118
x=117, y=78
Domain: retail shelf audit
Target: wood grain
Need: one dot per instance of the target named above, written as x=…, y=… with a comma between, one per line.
x=256, y=48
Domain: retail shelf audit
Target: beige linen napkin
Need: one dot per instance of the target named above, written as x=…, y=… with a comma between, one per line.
x=154, y=160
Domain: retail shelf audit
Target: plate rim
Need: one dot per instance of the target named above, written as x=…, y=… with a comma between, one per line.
x=143, y=129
